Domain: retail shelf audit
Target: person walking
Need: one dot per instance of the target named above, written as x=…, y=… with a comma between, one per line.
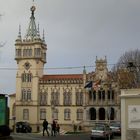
x=58, y=128
x=53, y=128
x=45, y=127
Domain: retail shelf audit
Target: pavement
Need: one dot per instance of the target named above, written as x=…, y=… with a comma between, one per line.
x=40, y=136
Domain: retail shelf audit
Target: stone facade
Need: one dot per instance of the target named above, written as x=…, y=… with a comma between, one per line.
x=130, y=114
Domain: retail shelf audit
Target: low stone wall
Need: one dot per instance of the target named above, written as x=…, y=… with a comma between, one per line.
x=133, y=134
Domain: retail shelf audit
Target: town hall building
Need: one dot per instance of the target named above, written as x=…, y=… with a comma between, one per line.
x=80, y=99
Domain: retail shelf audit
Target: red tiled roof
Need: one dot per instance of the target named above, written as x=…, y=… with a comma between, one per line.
x=63, y=76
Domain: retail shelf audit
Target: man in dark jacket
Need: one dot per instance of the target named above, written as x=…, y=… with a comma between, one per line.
x=45, y=127
x=53, y=128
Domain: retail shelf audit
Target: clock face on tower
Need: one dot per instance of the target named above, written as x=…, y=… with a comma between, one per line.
x=27, y=65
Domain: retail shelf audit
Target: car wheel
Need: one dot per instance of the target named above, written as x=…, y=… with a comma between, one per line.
x=112, y=136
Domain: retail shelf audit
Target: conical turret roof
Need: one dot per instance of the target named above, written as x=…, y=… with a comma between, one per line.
x=32, y=31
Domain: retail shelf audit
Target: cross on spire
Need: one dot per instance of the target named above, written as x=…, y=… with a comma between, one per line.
x=33, y=2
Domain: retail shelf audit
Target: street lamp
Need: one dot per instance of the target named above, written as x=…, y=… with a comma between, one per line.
x=131, y=67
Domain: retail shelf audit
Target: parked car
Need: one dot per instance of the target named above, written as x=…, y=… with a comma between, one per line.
x=116, y=128
x=23, y=127
x=6, y=138
x=101, y=131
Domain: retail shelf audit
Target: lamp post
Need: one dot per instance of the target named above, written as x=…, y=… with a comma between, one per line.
x=109, y=106
x=52, y=108
x=109, y=115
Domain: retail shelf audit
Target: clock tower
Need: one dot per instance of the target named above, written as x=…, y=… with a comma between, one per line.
x=101, y=69
x=31, y=57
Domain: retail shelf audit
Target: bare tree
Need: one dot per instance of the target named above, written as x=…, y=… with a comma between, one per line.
x=127, y=69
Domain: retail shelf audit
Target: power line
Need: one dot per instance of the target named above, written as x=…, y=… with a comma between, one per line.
x=55, y=68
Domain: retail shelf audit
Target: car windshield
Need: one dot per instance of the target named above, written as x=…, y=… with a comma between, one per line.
x=99, y=128
x=115, y=124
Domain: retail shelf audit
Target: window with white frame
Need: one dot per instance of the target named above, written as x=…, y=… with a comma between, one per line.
x=25, y=114
x=79, y=114
x=67, y=98
x=67, y=114
x=42, y=114
x=56, y=114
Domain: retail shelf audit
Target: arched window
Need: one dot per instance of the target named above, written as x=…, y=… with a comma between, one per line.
x=37, y=52
x=79, y=98
x=18, y=52
x=27, y=52
x=29, y=76
x=30, y=52
x=67, y=98
x=23, y=77
x=94, y=95
x=101, y=114
x=55, y=98
x=26, y=94
x=110, y=95
x=101, y=95
x=26, y=77
x=43, y=98
x=90, y=95
x=92, y=112
x=67, y=114
x=24, y=52
x=111, y=113
x=79, y=114
x=56, y=114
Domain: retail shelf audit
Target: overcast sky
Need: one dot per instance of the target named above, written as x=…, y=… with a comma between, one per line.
x=76, y=31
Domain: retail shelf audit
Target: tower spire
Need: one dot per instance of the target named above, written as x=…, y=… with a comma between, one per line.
x=19, y=34
x=38, y=34
x=32, y=31
x=43, y=38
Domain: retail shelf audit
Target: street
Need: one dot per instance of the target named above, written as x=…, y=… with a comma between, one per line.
x=33, y=136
